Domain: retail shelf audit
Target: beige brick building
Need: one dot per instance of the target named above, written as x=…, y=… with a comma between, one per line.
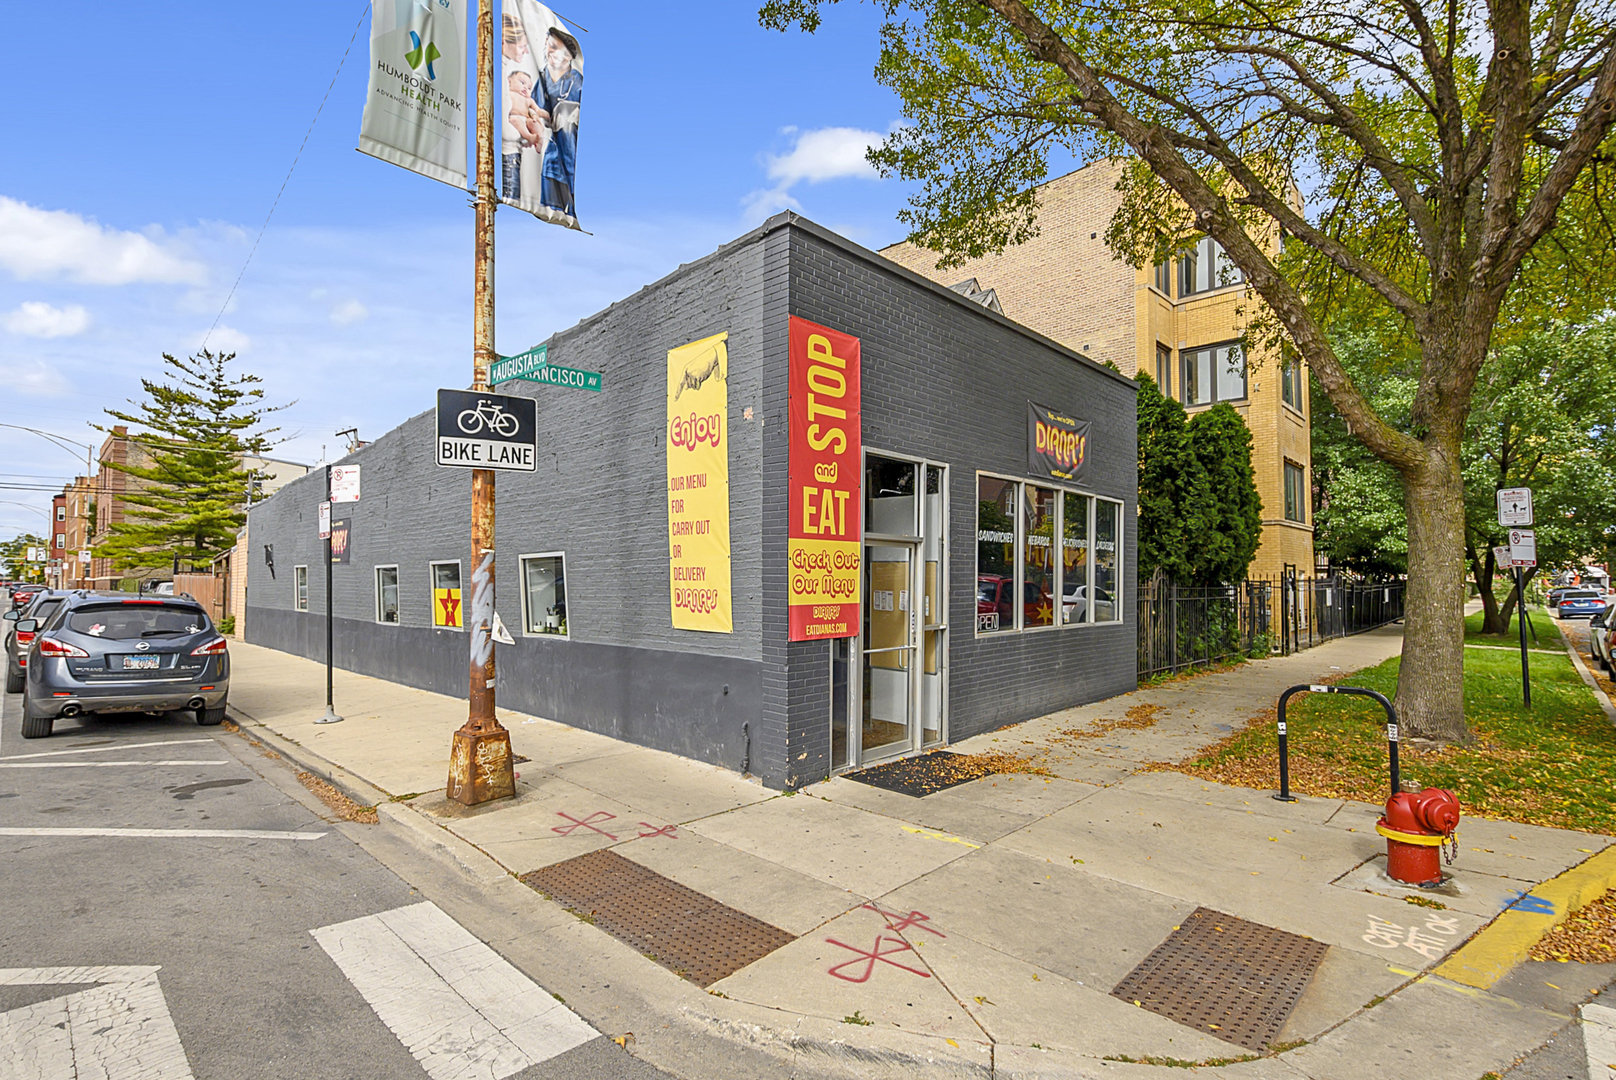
x=1182, y=322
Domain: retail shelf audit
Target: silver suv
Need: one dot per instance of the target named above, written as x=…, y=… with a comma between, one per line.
x=101, y=654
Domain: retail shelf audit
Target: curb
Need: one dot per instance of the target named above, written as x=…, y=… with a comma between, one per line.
x=1588, y=677
x=1505, y=943
x=357, y=788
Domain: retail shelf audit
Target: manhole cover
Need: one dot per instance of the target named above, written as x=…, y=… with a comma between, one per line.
x=1225, y=976
x=692, y=935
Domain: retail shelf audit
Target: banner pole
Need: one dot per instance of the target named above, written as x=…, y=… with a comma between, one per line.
x=330, y=716
x=480, y=757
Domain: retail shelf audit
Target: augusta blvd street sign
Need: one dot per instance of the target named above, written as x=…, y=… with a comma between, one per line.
x=479, y=430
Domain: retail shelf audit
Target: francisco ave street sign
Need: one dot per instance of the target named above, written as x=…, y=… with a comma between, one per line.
x=534, y=366
x=479, y=430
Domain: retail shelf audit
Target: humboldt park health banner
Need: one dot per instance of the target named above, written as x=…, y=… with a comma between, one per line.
x=415, y=106
x=698, y=485
x=541, y=89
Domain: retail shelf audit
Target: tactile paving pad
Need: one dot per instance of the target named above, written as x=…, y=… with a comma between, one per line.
x=1228, y=977
x=690, y=934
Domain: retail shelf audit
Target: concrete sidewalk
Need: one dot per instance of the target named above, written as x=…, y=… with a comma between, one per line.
x=981, y=930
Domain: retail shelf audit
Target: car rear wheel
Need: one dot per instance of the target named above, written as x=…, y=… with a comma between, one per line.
x=34, y=726
x=210, y=717
x=14, y=680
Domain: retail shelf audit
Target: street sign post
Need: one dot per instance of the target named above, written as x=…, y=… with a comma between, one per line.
x=331, y=716
x=481, y=430
x=1522, y=554
x=344, y=483
x=1515, y=507
x=325, y=521
x=1522, y=547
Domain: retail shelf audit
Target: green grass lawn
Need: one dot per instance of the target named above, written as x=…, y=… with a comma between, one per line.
x=1553, y=765
x=1548, y=636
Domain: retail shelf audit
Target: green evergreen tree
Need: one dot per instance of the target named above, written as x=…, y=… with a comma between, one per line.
x=1171, y=486
x=193, y=431
x=1229, y=517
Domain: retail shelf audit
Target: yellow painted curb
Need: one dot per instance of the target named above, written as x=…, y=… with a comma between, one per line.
x=1494, y=952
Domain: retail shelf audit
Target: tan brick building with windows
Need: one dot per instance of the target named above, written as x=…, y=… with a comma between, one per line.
x=1181, y=322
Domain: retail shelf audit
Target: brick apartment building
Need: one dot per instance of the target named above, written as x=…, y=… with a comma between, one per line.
x=57, y=538
x=1182, y=322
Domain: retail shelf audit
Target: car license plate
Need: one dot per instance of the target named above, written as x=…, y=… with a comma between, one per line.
x=141, y=663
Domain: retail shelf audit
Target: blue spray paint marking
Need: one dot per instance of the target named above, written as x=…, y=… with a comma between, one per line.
x=1527, y=902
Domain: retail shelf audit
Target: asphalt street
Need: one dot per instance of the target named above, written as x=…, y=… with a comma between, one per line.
x=176, y=905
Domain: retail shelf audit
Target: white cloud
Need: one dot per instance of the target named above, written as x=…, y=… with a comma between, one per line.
x=38, y=243
x=833, y=153
x=224, y=339
x=349, y=311
x=826, y=154
x=36, y=378
x=35, y=318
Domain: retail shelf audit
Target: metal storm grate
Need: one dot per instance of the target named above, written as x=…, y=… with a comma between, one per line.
x=1225, y=976
x=692, y=935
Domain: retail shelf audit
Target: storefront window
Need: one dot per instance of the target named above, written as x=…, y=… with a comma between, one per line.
x=1107, y=603
x=544, y=594
x=1038, y=557
x=1075, y=586
x=889, y=493
x=995, y=554
x=387, y=594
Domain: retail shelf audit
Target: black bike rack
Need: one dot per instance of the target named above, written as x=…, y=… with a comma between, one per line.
x=1356, y=691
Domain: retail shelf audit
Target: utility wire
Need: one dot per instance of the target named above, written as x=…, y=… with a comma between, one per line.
x=295, y=158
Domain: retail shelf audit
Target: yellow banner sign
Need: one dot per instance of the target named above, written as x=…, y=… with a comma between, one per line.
x=698, y=485
x=446, y=608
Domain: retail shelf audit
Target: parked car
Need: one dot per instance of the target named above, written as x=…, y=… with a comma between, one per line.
x=40, y=608
x=1074, y=604
x=23, y=594
x=995, y=600
x=1599, y=639
x=104, y=654
x=1580, y=603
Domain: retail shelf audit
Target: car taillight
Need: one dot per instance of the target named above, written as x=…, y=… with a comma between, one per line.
x=25, y=637
x=51, y=647
x=212, y=648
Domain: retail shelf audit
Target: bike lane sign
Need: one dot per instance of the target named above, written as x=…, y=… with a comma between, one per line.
x=480, y=430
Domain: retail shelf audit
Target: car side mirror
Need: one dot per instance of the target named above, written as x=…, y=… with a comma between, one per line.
x=12, y=616
x=27, y=626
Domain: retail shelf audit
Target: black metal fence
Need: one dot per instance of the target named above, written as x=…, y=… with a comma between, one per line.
x=1181, y=627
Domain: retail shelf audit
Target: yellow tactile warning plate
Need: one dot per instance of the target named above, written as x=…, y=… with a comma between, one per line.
x=1224, y=976
x=690, y=934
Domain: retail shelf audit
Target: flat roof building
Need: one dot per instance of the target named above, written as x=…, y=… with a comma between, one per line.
x=821, y=513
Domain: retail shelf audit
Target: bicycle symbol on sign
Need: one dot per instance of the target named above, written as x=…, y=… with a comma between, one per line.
x=491, y=415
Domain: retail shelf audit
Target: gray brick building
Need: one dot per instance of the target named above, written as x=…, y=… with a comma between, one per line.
x=1022, y=585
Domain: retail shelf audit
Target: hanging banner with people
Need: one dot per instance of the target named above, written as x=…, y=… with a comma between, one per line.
x=824, y=489
x=698, y=485
x=415, y=106
x=541, y=88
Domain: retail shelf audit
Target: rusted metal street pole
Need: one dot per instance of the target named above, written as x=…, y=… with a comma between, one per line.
x=480, y=760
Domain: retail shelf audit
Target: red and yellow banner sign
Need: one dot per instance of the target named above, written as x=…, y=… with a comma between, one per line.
x=825, y=490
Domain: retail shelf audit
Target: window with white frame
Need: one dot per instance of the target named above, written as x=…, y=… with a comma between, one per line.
x=544, y=594
x=446, y=596
x=1214, y=373
x=300, y=587
x=1045, y=557
x=387, y=594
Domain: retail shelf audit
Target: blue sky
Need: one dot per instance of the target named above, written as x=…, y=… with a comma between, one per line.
x=146, y=143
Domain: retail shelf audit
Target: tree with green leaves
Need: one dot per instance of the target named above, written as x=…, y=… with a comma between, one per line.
x=14, y=554
x=1200, y=516
x=1433, y=164
x=190, y=434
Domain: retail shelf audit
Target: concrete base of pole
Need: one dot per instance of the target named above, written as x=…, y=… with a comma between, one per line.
x=330, y=717
x=480, y=766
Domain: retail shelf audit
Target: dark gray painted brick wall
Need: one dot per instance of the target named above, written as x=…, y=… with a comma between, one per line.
x=942, y=379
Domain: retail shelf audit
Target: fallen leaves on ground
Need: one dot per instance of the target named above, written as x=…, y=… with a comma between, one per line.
x=1588, y=936
x=976, y=766
x=344, y=807
x=1137, y=718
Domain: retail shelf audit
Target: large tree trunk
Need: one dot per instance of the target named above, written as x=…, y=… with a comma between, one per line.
x=1430, y=685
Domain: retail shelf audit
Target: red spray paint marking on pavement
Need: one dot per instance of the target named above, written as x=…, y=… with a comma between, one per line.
x=568, y=830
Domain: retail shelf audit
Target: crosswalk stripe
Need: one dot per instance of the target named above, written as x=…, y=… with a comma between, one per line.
x=96, y=764
x=241, y=834
x=120, y=1028
x=459, y=1008
x=126, y=746
x=1599, y=1039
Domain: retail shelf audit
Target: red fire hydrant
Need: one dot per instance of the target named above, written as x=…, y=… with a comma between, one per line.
x=1417, y=826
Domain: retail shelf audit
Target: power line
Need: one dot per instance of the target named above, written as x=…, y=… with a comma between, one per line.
x=295, y=159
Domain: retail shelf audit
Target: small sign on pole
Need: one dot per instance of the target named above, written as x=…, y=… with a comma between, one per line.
x=325, y=521
x=84, y=557
x=1515, y=507
x=1501, y=556
x=344, y=483
x=1522, y=547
